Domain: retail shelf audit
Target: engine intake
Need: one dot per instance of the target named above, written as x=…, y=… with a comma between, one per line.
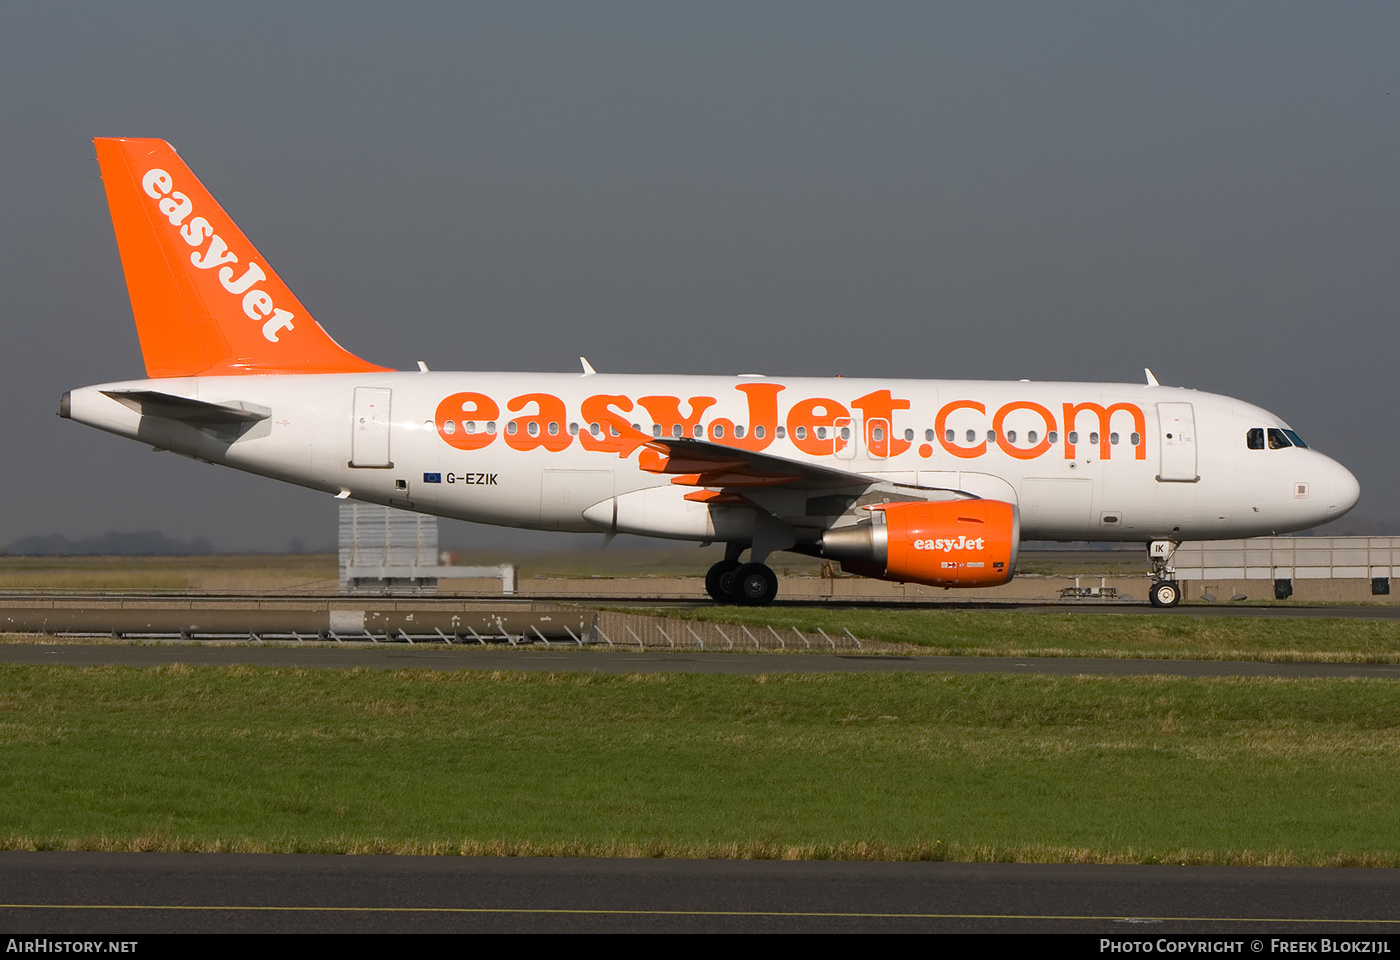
x=950, y=543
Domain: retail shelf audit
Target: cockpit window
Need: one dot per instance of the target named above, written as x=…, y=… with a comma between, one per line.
x=1277, y=441
x=1297, y=440
x=1254, y=439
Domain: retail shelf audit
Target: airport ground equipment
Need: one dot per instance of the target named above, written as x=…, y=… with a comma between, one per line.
x=385, y=551
x=1285, y=559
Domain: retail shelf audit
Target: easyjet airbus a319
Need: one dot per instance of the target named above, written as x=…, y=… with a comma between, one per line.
x=924, y=481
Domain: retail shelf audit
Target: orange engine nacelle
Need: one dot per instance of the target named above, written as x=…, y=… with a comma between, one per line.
x=950, y=543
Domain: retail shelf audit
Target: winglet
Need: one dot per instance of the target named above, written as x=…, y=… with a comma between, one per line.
x=1151, y=380
x=205, y=301
x=588, y=370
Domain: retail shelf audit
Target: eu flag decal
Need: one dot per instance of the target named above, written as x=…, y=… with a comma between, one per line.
x=432, y=478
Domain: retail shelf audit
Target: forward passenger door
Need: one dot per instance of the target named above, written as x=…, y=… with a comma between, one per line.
x=1176, y=432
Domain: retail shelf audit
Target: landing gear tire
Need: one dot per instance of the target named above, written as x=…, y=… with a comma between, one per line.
x=755, y=585
x=1165, y=593
x=719, y=581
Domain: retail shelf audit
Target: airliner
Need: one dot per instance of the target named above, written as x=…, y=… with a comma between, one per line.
x=923, y=481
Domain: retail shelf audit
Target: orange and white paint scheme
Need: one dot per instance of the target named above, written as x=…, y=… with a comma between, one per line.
x=924, y=481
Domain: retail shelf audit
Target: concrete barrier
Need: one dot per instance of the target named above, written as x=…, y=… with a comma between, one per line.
x=291, y=619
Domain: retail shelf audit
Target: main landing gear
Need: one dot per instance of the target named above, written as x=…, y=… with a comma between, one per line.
x=747, y=584
x=1165, y=591
x=719, y=580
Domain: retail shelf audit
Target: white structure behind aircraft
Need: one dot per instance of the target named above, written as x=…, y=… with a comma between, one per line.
x=927, y=481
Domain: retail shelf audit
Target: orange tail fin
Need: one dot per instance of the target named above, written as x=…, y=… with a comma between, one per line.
x=206, y=302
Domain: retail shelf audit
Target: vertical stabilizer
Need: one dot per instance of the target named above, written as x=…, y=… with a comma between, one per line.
x=205, y=301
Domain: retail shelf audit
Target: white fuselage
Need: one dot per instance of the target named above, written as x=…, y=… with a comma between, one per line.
x=1082, y=461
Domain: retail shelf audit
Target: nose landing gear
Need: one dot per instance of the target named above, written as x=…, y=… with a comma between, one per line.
x=1165, y=591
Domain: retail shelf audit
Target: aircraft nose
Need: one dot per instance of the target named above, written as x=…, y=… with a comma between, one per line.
x=1342, y=491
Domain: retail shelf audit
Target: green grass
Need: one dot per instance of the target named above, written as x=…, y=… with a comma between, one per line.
x=1022, y=634
x=895, y=766
x=226, y=573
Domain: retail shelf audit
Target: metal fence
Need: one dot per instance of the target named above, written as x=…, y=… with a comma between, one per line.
x=450, y=624
x=642, y=632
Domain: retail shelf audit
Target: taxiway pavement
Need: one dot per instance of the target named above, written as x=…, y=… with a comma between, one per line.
x=114, y=893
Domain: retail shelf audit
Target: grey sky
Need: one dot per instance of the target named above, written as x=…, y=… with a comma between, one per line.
x=1050, y=191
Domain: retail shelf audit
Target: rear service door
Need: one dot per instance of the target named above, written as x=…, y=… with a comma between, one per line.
x=369, y=438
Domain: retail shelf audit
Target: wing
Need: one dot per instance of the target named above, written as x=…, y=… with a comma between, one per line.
x=698, y=463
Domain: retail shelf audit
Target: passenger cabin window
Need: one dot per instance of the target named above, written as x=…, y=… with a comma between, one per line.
x=1277, y=441
x=1254, y=439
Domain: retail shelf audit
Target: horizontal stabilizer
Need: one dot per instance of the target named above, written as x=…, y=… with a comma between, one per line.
x=153, y=403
